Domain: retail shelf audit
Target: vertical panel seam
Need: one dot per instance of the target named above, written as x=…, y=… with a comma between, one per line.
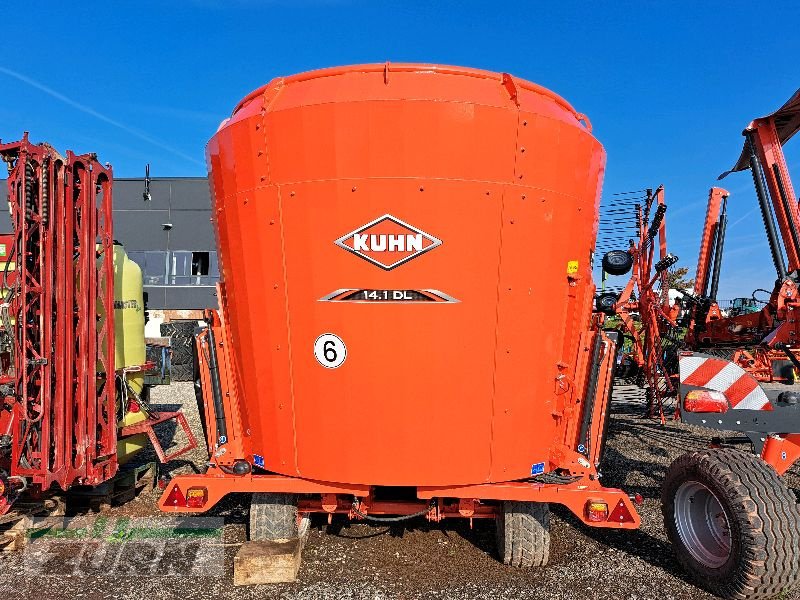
x=288, y=329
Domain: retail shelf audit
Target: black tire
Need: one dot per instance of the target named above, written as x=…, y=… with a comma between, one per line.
x=523, y=534
x=181, y=373
x=606, y=303
x=182, y=342
x=723, y=489
x=617, y=262
x=181, y=356
x=178, y=329
x=181, y=339
x=167, y=329
x=274, y=517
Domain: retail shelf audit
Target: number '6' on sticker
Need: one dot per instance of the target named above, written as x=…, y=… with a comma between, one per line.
x=330, y=351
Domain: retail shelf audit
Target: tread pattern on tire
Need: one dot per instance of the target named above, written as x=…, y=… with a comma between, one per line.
x=523, y=534
x=181, y=340
x=181, y=372
x=766, y=515
x=178, y=329
x=273, y=516
x=181, y=356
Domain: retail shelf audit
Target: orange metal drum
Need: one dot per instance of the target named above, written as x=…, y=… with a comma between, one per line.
x=438, y=223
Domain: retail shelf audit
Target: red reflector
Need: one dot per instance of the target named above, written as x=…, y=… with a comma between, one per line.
x=706, y=401
x=176, y=497
x=596, y=511
x=196, y=497
x=620, y=514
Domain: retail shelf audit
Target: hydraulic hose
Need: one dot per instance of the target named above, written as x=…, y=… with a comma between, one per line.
x=553, y=478
x=788, y=209
x=766, y=211
x=719, y=243
x=391, y=519
x=790, y=355
x=712, y=260
x=589, y=400
x=216, y=389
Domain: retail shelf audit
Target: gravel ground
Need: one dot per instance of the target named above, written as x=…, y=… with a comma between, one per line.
x=421, y=560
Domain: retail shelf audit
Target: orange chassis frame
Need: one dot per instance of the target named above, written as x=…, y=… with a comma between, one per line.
x=469, y=501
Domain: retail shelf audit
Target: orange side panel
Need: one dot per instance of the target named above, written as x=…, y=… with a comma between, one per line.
x=402, y=398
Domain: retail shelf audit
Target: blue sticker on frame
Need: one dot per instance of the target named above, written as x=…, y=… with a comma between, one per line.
x=258, y=461
x=537, y=469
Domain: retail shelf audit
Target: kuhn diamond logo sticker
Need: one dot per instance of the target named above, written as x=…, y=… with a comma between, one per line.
x=388, y=242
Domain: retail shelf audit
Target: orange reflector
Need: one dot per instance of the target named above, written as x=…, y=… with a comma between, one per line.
x=707, y=401
x=2, y=487
x=596, y=512
x=196, y=497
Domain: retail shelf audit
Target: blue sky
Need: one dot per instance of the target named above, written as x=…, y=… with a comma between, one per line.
x=668, y=85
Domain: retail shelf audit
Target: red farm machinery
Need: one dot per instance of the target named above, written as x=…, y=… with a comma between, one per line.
x=346, y=373
x=391, y=237
x=765, y=341
x=379, y=350
x=73, y=405
x=731, y=517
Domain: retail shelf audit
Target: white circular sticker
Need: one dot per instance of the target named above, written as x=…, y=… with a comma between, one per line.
x=330, y=351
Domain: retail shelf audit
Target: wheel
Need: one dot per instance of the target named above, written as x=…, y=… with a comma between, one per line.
x=606, y=303
x=178, y=329
x=626, y=369
x=181, y=356
x=181, y=372
x=275, y=517
x=734, y=524
x=617, y=262
x=181, y=340
x=523, y=533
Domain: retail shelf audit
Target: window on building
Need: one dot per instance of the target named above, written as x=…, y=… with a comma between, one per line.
x=180, y=272
x=179, y=267
x=189, y=267
x=200, y=263
x=153, y=264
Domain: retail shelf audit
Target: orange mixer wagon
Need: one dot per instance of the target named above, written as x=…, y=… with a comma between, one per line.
x=406, y=320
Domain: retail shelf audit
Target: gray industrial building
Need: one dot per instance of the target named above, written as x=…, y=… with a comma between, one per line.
x=169, y=236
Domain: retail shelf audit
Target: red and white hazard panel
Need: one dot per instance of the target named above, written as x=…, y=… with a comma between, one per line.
x=739, y=387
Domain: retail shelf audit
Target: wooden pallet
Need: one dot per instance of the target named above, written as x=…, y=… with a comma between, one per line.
x=260, y=562
x=15, y=524
x=15, y=537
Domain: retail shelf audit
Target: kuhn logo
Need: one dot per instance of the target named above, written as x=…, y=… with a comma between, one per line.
x=388, y=242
